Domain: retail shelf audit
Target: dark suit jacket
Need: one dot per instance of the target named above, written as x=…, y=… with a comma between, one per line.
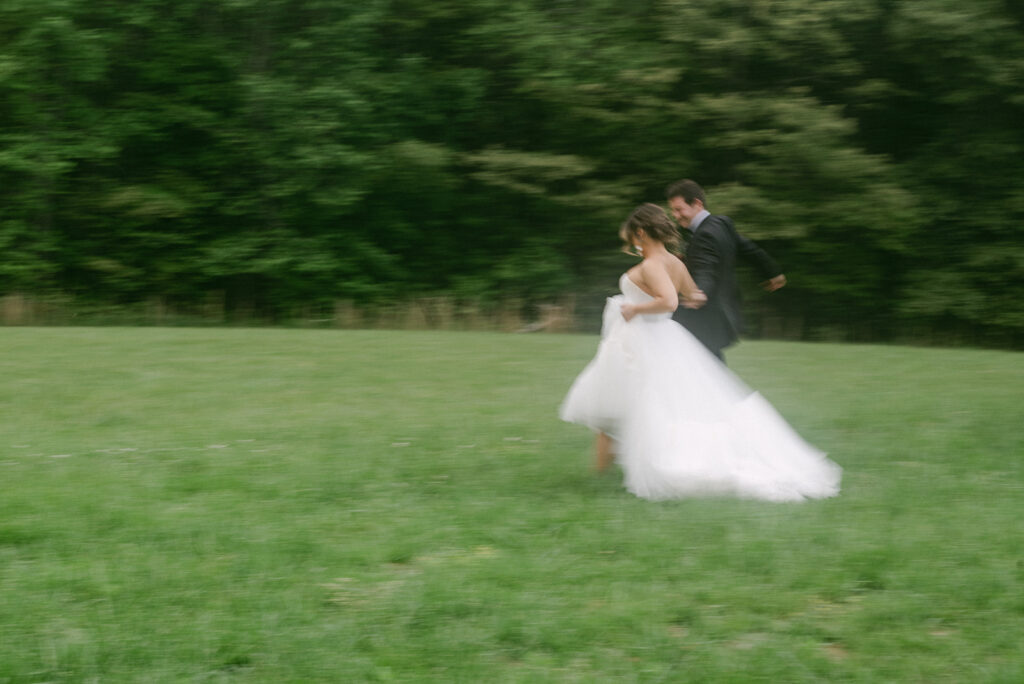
x=711, y=259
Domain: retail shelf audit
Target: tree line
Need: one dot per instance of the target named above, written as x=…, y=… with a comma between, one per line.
x=285, y=155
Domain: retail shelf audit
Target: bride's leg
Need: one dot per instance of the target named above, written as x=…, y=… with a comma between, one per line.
x=603, y=452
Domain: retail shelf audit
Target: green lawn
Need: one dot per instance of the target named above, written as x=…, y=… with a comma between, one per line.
x=297, y=506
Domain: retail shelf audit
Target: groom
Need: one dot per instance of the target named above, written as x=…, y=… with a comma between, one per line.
x=711, y=260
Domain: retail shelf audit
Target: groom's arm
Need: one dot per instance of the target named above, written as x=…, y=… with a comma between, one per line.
x=769, y=269
x=702, y=259
x=757, y=257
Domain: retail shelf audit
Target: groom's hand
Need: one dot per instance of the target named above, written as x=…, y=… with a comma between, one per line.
x=774, y=284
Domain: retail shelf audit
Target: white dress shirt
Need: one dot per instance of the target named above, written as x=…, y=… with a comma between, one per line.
x=698, y=219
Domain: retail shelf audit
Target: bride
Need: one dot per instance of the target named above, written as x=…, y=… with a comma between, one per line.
x=678, y=422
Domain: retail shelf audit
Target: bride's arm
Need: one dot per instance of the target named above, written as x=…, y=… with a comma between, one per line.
x=658, y=281
x=694, y=296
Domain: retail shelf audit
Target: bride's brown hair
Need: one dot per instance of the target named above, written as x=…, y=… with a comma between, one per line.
x=653, y=220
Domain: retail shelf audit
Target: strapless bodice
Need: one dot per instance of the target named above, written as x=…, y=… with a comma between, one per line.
x=634, y=295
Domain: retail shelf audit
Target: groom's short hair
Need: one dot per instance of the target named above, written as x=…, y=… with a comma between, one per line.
x=688, y=190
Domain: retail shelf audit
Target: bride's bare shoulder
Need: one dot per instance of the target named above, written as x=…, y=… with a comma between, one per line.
x=672, y=263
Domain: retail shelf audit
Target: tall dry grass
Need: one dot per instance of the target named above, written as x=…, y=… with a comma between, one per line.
x=421, y=313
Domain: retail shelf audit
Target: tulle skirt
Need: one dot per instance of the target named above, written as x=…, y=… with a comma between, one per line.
x=685, y=425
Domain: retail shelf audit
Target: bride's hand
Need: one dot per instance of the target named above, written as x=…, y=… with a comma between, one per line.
x=628, y=311
x=696, y=300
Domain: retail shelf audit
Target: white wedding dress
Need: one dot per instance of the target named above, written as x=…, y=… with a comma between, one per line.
x=683, y=423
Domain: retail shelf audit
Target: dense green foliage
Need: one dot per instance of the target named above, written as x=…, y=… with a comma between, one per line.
x=281, y=155
x=172, y=516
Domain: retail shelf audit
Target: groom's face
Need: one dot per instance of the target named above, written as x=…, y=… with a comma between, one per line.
x=684, y=212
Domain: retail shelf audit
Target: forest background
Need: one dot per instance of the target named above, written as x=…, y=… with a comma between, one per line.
x=322, y=161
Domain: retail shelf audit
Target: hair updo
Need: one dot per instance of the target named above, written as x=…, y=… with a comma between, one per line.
x=653, y=220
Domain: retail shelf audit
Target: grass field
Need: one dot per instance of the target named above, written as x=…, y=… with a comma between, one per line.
x=333, y=506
